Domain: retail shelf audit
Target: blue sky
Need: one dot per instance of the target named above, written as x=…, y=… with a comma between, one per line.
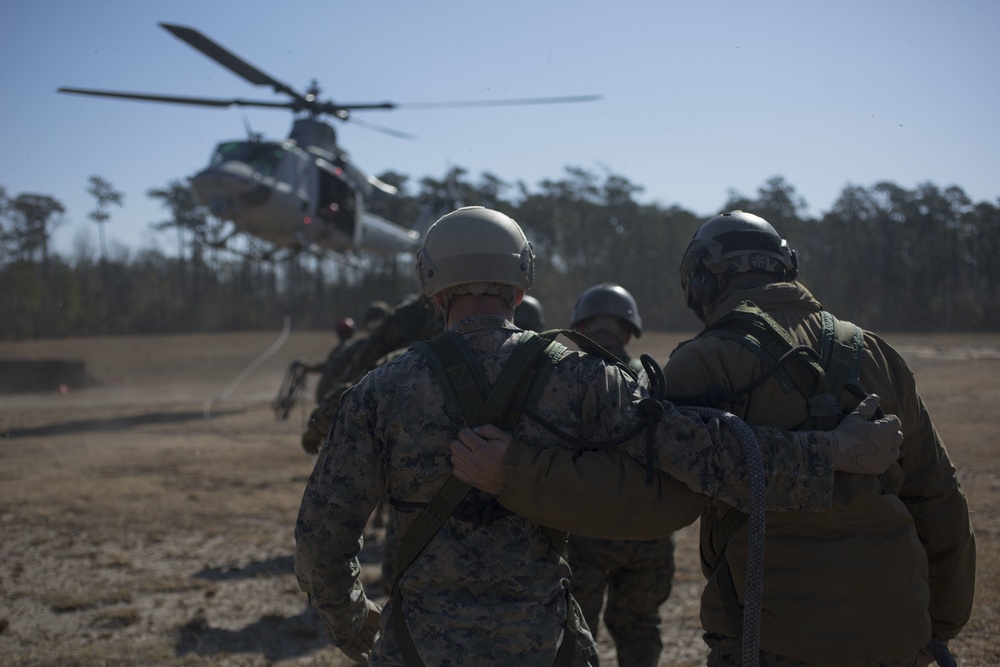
x=699, y=98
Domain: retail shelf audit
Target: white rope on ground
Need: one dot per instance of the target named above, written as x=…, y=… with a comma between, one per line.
x=251, y=367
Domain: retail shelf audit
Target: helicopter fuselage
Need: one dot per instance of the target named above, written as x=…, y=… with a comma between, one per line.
x=295, y=198
x=301, y=193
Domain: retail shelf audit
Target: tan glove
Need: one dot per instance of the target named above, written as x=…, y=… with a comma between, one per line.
x=864, y=446
x=359, y=648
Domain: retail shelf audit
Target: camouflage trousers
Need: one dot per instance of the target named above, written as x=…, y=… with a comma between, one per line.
x=726, y=652
x=636, y=577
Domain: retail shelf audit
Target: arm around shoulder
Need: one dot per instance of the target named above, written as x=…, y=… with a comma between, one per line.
x=598, y=493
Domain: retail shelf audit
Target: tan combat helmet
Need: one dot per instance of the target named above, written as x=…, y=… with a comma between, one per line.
x=728, y=244
x=475, y=250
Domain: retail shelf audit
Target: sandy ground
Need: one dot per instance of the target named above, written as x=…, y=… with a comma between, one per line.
x=147, y=518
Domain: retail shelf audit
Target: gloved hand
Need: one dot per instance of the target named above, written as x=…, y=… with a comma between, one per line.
x=359, y=648
x=864, y=446
x=315, y=432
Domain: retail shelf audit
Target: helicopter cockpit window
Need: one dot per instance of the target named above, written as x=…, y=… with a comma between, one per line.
x=262, y=156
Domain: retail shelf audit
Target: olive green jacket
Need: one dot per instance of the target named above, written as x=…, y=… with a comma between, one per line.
x=874, y=576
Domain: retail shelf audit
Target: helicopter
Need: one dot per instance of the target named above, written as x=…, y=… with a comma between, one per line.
x=303, y=192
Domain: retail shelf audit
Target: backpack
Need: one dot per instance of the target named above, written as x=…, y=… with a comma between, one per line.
x=821, y=377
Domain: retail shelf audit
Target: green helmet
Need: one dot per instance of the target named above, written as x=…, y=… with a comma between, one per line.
x=728, y=244
x=474, y=249
x=529, y=314
x=608, y=300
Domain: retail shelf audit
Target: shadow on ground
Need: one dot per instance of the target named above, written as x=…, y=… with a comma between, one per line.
x=112, y=424
x=275, y=637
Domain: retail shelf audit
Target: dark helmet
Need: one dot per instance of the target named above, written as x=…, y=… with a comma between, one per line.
x=377, y=311
x=345, y=328
x=608, y=300
x=529, y=314
x=728, y=244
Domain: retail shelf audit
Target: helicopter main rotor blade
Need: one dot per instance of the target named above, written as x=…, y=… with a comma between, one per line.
x=380, y=128
x=336, y=109
x=230, y=60
x=177, y=99
x=496, y=103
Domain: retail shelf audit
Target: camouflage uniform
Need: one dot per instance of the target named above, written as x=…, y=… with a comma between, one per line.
x=496, y=594
x=635, y=575
x=851, y=585
x=409, y=321
x=335, y=361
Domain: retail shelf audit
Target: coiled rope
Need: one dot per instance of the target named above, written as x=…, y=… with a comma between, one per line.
x=757, y=520
x=756, y=525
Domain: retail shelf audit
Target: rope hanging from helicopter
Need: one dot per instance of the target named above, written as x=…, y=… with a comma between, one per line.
x=238, y=380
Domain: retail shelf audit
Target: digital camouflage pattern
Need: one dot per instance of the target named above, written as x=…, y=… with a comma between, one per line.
x=496, y=593
x=473, y=589
x=628, y=579
x=635, y=577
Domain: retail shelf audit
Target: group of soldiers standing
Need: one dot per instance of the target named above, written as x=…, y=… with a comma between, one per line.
x=628, y=579
x=873, y=564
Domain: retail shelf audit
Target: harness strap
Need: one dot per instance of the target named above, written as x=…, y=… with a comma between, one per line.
x=590, y=346
x=420, y=533
x=461, y=378
x=840, y=351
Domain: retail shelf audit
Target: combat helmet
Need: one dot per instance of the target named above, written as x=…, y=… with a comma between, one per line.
x=376, y=312
x=608, y=300
x=475, y=250
x=728, y=244
x=529, y=314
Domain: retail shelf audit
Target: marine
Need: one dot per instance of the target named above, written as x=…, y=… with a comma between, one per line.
x=892, y=564
x=628, y=579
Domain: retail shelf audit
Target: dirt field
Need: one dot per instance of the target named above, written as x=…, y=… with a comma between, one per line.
x=147, y=518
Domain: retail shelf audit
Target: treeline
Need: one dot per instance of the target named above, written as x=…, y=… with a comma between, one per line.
x=885, y=257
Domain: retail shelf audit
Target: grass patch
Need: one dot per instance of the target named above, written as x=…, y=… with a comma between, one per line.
x=115, y=619
x=64, y=601
x=76, y=653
